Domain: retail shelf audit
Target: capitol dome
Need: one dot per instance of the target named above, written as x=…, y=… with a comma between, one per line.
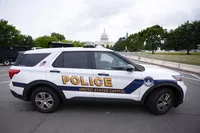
x=104, y=36
x=104, y=40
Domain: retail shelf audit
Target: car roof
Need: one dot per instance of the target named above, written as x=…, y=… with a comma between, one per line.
x=51, y=50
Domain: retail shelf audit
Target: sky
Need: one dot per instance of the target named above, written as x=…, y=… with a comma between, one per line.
x=85, y=20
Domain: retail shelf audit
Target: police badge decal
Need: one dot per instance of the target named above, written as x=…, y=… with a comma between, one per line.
x=148, y=81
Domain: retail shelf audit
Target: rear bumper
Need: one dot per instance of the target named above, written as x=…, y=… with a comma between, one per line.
x=17, y=95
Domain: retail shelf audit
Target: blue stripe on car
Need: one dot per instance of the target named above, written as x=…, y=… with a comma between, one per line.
x=18, y=84
x=163, y=81
x=69, y=88
x=134, y=85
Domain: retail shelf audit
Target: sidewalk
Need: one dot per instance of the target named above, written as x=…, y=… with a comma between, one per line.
x=185, y=67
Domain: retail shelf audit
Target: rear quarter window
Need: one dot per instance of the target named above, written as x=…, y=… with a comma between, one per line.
x=30, y=60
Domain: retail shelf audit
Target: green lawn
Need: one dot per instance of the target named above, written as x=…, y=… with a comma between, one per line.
x=182, y=57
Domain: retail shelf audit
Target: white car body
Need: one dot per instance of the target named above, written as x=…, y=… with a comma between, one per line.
x=125, y=84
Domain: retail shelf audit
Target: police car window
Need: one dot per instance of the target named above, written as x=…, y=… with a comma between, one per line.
x=104, y=60
x=59, y=61
x=30, y=59
x=75, y=60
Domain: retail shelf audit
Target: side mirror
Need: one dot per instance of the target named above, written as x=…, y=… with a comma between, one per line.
x=130, y=68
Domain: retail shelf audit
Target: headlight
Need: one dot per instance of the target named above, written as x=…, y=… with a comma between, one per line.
x=177, y=77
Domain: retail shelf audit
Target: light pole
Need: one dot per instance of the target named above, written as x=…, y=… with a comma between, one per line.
x=126, y=50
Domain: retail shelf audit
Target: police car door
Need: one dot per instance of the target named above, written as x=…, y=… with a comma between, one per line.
x=114, y=81
x=71, y=72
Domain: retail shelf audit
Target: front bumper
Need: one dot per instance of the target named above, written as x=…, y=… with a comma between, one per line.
x=183, y=87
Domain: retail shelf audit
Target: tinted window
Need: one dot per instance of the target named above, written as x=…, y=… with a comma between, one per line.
x=59, y=61
x=105, y=60
x=72, y=60
x=75, y=60
x=30, y=59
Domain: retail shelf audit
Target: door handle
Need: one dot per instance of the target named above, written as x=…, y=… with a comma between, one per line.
x=103, y=74
x=54, y=71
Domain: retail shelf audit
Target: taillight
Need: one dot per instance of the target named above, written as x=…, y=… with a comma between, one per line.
x=12, y=72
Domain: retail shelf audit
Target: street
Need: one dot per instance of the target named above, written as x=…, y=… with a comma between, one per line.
x=99, y=117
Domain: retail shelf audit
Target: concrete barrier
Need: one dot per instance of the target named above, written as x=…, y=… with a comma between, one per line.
x=180, y=66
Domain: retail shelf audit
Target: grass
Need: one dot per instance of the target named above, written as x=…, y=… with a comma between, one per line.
x=182, y=57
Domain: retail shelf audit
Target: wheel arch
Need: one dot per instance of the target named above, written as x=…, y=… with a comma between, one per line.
x=29, y=88
x=178, y=92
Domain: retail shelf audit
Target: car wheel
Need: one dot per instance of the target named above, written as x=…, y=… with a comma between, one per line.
x=45, y=100
x=6, y=62
x=160, y=101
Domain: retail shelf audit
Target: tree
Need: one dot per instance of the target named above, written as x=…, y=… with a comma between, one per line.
x=189, y=35
x=67, y=41
x=43, y=41
x=196, y=35
x=153, y=36
x=184, y=37
x=28, y=41
x=171, y=41
x=111, y=47
x=120, y=45
x=107, y=46
x=58, y=36
x=78, y=44
x=23, y=40
x=135, y=41
x=8, y=33
x=10, y=36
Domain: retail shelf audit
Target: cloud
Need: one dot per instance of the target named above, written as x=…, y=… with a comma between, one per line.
x=85, y=19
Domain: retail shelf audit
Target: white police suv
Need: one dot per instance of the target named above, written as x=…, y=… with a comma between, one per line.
x=47, y=77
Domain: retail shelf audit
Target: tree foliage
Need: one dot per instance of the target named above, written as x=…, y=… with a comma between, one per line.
x=58, y=36
x=67, y=41
x=135, y=42
x=153, y=37
x=78, y=44
x=184, y=37
x=10, y=36
x=43, y=41
x=107, y=46
x=120, y=45
x=75, y=43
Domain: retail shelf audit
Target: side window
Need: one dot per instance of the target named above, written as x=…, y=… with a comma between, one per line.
x=75, y=60
x=105, y=60
x=59, y=61
x=72, y=60
x=30, y=59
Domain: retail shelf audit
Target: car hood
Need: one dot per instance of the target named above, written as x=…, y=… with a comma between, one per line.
x=157, y=69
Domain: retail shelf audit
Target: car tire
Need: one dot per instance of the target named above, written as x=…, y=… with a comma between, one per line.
x=6, y=62
x=45, y=100
x=160, y=101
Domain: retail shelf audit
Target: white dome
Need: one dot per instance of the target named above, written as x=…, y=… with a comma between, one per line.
x=104, y=36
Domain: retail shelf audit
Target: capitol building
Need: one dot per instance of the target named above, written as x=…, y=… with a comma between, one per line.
x=104, y=40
